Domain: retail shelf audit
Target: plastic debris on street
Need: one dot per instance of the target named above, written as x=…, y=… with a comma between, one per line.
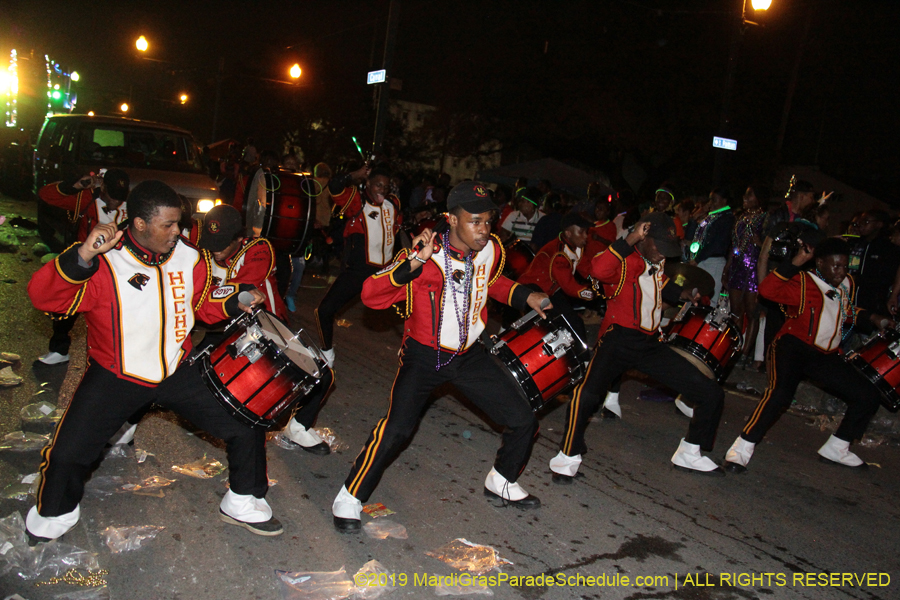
x=20, y=441
x=466, y=556
x=385, y=528
x=205, y=468
x=126, y=539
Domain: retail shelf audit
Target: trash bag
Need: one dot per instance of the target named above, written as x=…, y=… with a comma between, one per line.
x=205, y=468
x=126, y=539
x=20, y=441
x=42, y=412
x=53, y=559
x=24, y=487
x=324, y=585
x=464, y=555
x=384, y=528
x=373, y=580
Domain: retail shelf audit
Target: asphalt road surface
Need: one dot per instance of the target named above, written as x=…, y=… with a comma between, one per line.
x=791, y=527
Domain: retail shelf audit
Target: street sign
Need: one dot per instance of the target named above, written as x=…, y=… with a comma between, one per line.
x=376, y=76
x=724, y=143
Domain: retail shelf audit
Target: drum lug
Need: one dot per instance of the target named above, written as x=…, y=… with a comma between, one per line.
x=496, y=344
x=199, y=355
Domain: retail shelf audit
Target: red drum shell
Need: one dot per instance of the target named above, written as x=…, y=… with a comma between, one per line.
x=708, y=347
x=254, y=393
x=880, y=365
x=291, y=210
x=540, y=376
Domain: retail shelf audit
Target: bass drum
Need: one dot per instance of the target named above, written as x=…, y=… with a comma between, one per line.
x=290, y=210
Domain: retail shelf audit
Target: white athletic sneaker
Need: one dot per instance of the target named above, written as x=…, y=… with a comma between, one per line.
x=838, y=451
x=612, y=404
x=688, y=458
x=738, y=456
x=50, y=528
x=54, y=358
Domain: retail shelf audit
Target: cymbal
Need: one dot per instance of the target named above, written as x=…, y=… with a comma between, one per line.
x=690, y=277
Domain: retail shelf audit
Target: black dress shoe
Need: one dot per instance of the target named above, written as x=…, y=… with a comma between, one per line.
x=717, y=472
x=608, y=414
x=269, y=528
x=733, y=467
x=565, y=479
x=320, y=449
x=347, y=525
x=527, y=503
x=34, y=540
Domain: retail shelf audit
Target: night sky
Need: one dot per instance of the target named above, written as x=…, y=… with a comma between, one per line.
x=583, y=81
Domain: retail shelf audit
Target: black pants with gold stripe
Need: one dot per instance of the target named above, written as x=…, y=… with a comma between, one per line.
x=101, y=405
x=790, y=360
x=620, y=349
x=346, y=287
x=476, y=375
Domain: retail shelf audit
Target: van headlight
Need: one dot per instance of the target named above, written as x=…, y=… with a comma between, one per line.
x=205, y=205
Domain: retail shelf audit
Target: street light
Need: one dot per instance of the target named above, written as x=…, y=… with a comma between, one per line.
x=74, y=76
x=757, y=6
x=295, y=71
x=124, y=107
x=141, y=44
x=183, y=98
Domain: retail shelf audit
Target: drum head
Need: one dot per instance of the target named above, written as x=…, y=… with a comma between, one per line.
x=702, y=366
x=289, y=343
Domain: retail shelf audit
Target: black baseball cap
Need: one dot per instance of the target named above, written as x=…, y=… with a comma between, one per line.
x=221, y=226
x=117, y=183
x=574, y=218
x=662, y=230
x=473, y=197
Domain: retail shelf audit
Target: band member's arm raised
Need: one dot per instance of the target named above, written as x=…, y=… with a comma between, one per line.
x=61, y=286
x=72, y=195
x=783, y=285
x=607, y=267
x=388, y=286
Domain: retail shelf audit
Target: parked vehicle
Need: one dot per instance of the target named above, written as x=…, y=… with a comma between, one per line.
x=73, y=145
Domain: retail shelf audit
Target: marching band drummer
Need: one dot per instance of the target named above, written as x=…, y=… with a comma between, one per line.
x=552, y=271
x=238, y=260
x=632, y=274
x=446, y=286
x=141, y=290
x=820, y=313
x=373, y=220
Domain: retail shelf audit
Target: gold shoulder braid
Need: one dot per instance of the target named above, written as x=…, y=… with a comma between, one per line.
x=802, y=299
x=502, y=260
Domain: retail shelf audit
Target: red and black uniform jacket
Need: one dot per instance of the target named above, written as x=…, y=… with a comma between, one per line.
x=253, y=263
x=370, y=230
x=84, y=206
x=553, y=269
x=139, y=306
x=600, y=237
x=635, y=289
x=425, y=289
x=816, y=313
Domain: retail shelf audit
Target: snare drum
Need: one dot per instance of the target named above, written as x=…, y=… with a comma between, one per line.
x=707, y=341
x=261, y=368
x=877, y=360
x=544, y=357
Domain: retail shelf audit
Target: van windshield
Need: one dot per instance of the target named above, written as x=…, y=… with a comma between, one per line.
x=112, y=146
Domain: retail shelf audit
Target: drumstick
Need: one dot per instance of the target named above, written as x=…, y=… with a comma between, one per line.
x=686, y=306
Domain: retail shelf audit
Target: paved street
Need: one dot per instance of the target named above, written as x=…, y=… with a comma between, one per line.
x=632, y=515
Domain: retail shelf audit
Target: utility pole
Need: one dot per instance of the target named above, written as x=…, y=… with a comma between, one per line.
x=384, y=88
x=737, y=37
